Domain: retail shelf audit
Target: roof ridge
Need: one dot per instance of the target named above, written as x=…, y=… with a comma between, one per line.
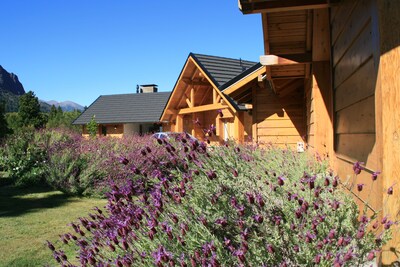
x=222, y=57
x=168, y=92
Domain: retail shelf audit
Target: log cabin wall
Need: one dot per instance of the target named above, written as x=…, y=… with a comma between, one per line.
x=354, y=78
x=279, y=121
x=353, y=91
x=387, y=97
x=366, y=60
x=355, y=59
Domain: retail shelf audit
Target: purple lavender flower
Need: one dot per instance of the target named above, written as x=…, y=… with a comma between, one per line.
x=270, y=248
x=360, y=187
x=221, y=221
x=357, y=168
x=124, y=160
x=258, y=218
x=250, y=197
x=281, y=180
x=310, y=237
x=375, y=175
x=390, y=190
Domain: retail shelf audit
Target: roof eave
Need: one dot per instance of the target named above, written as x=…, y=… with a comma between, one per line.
x=268, y=6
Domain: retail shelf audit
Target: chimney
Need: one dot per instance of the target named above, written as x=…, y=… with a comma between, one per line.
x=147, y=88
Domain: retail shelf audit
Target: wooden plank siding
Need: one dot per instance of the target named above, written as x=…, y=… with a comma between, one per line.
x=349, y=106
x=354, y=79
x=287, y=32
x=280, y=121
x=355, y=57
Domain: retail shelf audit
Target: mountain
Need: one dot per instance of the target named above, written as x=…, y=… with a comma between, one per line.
x=10, y=90
x=66, y=105
x=9, y=82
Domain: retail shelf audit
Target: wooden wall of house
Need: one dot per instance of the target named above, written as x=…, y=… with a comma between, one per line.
x=388, y=98
x=280, y=121
x=366, y=62
x=355, y=57
x=354, y=79
x=113, y=130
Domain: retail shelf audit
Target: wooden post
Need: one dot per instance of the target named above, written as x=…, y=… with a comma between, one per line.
x=218, y=125
x=192, y=96
x=239, y=127
x=179, y=123
x=254, y=132
x=321, y=85
x=194, y=124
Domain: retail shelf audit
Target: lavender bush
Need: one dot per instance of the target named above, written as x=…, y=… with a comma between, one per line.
x=68, y=162
x=189, y=205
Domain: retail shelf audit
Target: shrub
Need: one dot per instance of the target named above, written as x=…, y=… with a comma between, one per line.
x=232, y=206
x=24, y=159
x=68, y=162
x=92, y=127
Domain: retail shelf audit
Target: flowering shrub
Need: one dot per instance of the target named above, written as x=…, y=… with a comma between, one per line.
x=230, y=206
x=70, y=163
x=23, y=159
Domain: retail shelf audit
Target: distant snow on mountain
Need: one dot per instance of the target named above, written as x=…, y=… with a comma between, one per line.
x=66, y=105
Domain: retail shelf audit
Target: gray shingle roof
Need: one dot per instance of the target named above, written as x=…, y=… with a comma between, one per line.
x=125, y=108
x=225, y=71
x=220, y=69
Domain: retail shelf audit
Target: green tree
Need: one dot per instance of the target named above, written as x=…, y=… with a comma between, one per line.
x=92, y=127
x=4, y=130
x=53, y=112
x=13, y=121
x=29, y=110
x=61, y=119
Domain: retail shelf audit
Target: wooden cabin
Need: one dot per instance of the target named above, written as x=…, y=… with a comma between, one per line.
x=126, y=114
x=197, y=101
x=331, y=67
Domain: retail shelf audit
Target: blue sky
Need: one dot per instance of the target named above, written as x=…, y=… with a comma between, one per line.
x=77, y=50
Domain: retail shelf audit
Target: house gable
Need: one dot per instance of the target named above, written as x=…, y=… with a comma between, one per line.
x=197, y=98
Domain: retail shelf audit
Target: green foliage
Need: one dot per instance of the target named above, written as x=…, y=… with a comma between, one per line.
x=4, y=130
x=10, y=100
x=14, y=122
x=92, y=127
x=29, y=111
x=24, y=158
x=57, y=118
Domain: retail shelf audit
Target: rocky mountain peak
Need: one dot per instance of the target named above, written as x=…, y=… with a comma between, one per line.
x=9, y=82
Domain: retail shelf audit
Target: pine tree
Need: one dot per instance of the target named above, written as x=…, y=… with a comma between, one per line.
x=92, y=127
x=29, y=110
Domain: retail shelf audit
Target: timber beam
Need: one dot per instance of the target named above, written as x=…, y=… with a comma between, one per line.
x=202, y=108
x=191, y=82
x=284, y=60
x=171, y=111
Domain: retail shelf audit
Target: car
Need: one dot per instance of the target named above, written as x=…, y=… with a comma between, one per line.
x=174, y=135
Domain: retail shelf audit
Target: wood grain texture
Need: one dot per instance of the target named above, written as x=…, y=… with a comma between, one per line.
x=353, y=90
x=389, y=83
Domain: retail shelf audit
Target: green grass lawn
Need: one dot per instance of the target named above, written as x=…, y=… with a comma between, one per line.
x=29, y=217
